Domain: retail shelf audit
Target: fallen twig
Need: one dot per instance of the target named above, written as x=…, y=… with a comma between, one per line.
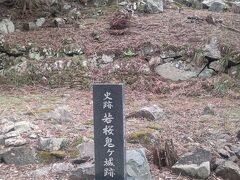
x=230, y=28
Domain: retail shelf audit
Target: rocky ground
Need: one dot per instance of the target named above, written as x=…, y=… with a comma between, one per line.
x=48, y=62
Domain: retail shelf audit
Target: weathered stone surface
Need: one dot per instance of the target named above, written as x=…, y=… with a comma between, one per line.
x=19, y=156
x=152, y=112
x=212, y=49
x=52, y=144
x=2, y=141
x=40, y=22
x=15, y=141
x=208, y=110
x=6, y=26
x=137, y=165
x=74, y=14
x=217, y=6
x=84, y=171
x=23, y=126
x=11, y=134
x=58, y=22
x=62, y=167
x=6, y=126
x=223, y=153
x=153, y=6
x=66, y=6
x=147, y=50
x=60, y=114
x=86, y=150
x=41, y=172
x=236, y=7
x=215, y=163
x=107, y=58
x=228, y=170
x=29, y=26
x=72, y=49
x=169, y=71
x=196, y=164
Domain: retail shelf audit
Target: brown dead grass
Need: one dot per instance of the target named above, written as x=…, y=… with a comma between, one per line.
x=168, y=28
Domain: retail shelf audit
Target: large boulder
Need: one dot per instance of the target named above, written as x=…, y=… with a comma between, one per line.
x=18, y=156
x=169, y=71
x=228, y=170
x=6, y=26
x=195, y=164
x=137, y=165
x=215, y=5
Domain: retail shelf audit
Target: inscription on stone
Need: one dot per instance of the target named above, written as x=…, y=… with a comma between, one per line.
x=109, y=132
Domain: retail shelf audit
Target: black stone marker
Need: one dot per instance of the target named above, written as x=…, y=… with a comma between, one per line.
x=109, y=132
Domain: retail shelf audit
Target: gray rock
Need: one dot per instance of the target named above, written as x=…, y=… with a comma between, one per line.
x=33, y=136
x=215, y=163
x=6, y=126
x=217, y=65
x=208, y=3
x=190, y=3
x=41, y=172
x=235, y=148
x=155, y=61
x=83, y=172
x=2, y=141
x=208, y=110
x=153, y=6
x=23, y=126
x=52, y=144
x=74, y=14
x=19, y=156
x=223, y=153
x=107, y=58
x=212, y=49
x=238, y=154
x=217, y=6
x=196, y=164
x=72, y=49
x=15, y=141
x=236, y=7
x=152, y=112
x=228, y=170
x=147, y=50
x=30, y=26
x=6, y=26
x=233, y=159
x=58, y=22
x=137, y=165
x=40, y=22
x=62, y=167
x=169, y=71
x=86, y=150
x=60, y=114
x=11, y=134
x=66, y=6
